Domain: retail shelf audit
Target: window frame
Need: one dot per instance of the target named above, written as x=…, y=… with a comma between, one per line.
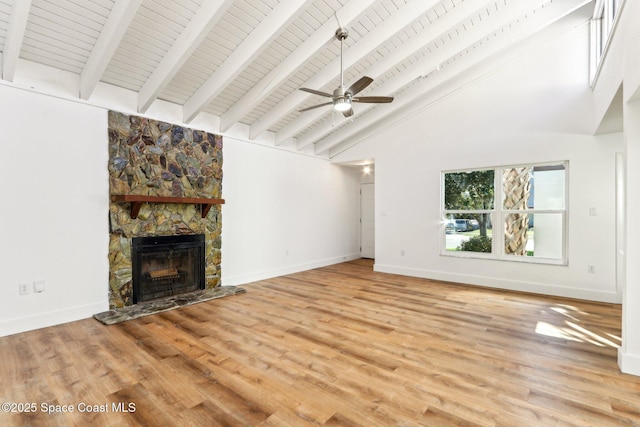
x=499, y=213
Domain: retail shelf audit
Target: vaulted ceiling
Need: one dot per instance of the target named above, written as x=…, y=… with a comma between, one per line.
x=242, y=62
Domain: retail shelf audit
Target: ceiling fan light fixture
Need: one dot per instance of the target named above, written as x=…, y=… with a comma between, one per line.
x=343, y=97
x=342, y=104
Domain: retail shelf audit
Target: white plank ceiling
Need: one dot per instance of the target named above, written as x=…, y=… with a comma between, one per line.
x=245, y=60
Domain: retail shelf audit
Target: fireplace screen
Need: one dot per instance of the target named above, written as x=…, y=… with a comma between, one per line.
x=165, y=266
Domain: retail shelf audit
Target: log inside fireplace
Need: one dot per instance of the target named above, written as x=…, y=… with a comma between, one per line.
x=165, y=266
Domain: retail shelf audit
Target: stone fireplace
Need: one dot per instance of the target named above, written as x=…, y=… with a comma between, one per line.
x=168, y=167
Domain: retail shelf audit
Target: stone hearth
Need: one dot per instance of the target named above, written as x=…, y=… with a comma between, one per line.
x=136, y=311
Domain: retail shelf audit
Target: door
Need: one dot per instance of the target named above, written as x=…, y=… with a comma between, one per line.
x=367, y=221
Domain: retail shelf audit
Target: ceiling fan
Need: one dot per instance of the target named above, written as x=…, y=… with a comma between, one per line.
x=342, y=97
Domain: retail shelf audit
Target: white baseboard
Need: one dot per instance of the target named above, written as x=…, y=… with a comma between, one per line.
x=241, y=279
x=629, y=363
x=51, y=318
x=512, y=285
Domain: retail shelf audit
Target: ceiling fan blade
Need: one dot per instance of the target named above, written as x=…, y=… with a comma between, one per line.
x=316, y=92
x=359, y=85
x=348, y=113
x=315, y=106
x=373, y=99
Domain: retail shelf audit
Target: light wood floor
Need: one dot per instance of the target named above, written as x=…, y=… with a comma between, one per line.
x=335, y=346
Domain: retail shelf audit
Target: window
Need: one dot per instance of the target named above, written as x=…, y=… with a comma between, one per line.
x=531, y=214
x=604, y=18
x=469, y=207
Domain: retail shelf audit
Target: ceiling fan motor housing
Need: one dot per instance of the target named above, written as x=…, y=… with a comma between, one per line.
x=341, y=92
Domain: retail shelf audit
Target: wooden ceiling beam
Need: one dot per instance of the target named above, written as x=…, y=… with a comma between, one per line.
x=114, y=30
x=196, y=31
x=281, y=16
x=14, y=37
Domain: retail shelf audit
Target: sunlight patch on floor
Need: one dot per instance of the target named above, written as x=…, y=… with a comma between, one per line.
x=570, y=329
x=573, y=332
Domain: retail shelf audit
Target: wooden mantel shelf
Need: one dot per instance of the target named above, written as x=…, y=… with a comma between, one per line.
x=137, y=201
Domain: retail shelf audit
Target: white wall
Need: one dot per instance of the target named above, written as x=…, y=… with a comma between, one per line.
x=54, y=210
x=285, y=212
x=629, y=354
x=535, y=109
x=621, y=67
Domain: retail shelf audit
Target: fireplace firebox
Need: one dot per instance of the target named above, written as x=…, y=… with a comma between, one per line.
x=165, y=266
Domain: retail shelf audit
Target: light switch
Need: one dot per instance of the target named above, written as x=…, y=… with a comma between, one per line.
x=38, y=286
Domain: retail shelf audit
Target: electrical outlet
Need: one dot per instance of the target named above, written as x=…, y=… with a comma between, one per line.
x=23, y=288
